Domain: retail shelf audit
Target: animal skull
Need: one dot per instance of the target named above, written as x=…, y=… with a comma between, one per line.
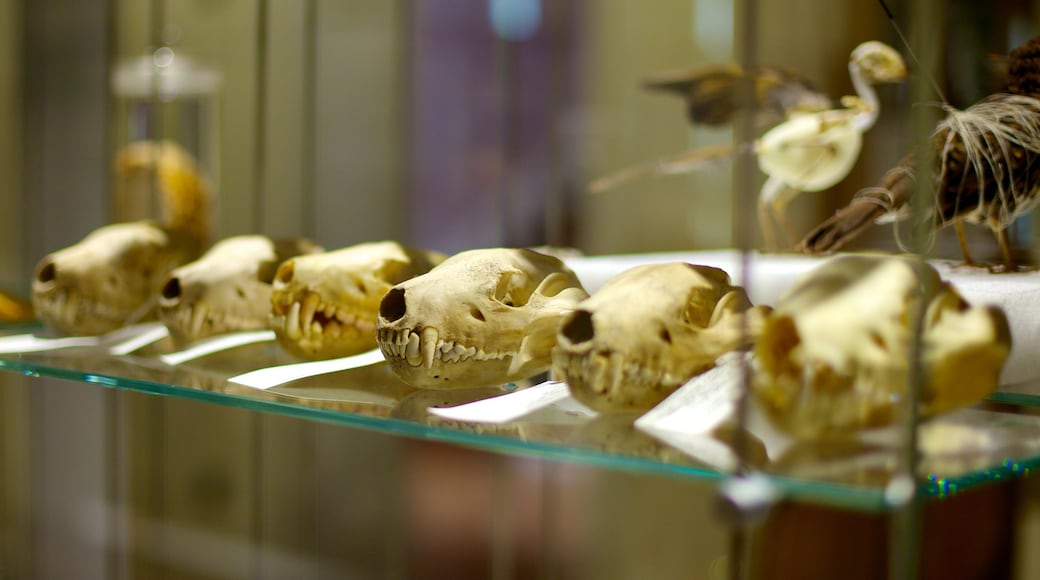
x=648, y=331
x=324, y=305
x=482, y=317
x=228, y=289
x=835, y=354
x=108, y=279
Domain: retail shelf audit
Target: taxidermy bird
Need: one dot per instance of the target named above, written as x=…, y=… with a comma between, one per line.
x=986, y=171
x=711, y=93
x=808, y=152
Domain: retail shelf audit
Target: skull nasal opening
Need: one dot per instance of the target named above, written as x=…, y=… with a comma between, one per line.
x=172, y=289
x=578, y=327
x=392, y=307
x=47, y=273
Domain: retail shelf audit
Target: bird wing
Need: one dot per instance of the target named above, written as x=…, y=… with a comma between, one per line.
x=684, y=162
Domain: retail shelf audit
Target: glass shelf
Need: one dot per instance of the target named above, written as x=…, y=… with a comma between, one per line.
x=852, y=474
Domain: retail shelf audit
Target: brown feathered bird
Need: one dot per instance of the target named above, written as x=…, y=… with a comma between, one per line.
x=712, y=93
x=987, y=170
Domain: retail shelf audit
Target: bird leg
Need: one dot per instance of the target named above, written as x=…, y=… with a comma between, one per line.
x=772, y=198
x=780, y=213
x=1005, y=250
x=962, y=239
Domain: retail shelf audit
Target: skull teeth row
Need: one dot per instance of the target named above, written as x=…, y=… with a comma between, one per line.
x=605, y=373
x=310, y=317
x=422, y=348
x=191, y=319
x=69, y=306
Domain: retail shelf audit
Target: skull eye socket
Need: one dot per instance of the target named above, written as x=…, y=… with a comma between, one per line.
x=286, y=272
x=511, y=290
x=266, y=272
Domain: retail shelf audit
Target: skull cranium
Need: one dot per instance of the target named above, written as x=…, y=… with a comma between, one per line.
x=482, y=317
x=649, y=330
x=324, y=305
x=835, y=354
x=108, y=279
x=228, y=289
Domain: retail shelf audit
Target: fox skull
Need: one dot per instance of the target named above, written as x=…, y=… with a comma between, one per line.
x=324, y=305
x=649, y=330
x=109, y=279
x=835, y=354
x=228, y=289
x=482, y=317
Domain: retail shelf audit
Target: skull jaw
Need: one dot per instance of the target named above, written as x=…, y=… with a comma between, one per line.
x=71, y=313
x=468, y=374
x=346, y=341
x=186, y=327
x=830, y=402
x=330, y=328
x=606, y=385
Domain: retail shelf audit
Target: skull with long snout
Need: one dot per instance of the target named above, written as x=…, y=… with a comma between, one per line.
x=324, y=305
x=109, y=279
x=648, y=331
x=834, y=356
x=228, y=289
x=482, y=317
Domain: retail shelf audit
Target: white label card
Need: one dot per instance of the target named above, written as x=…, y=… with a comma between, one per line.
x=216, y=344
x=120, y=342
x=700, y=405
x=507, y=407
x=17, y=343
x=269, y=377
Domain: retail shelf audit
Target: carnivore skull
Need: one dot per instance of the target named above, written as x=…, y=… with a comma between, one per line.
x=325, y=305
x=648, y=331
x=108, y=279
x=226, y=290
x=835, y=354
x=482, y=317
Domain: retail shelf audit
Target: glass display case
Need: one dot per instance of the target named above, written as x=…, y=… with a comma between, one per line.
x=452, y=125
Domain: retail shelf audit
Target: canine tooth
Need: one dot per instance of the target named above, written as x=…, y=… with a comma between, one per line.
x=198, y=318
x=292, y=322
x=310, y=304
x=429, y=345
x=411, y=353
